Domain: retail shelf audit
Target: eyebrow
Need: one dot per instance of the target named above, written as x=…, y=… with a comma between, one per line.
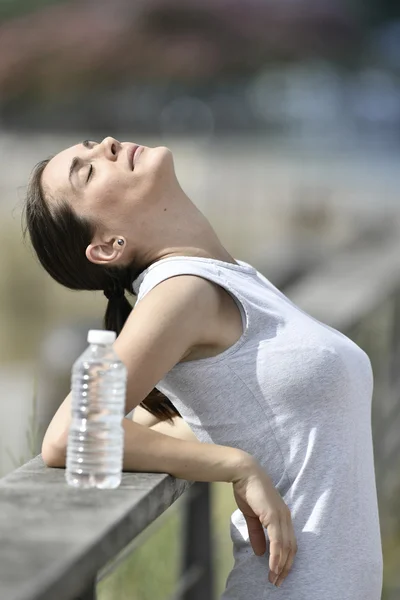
x=76, y=161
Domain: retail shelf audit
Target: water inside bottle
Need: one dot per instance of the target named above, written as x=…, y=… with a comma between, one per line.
x=95, y=442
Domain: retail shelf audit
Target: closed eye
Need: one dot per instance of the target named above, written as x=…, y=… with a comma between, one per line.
x=89, y=144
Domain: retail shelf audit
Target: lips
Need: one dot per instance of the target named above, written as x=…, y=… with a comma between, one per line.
x=131, y=155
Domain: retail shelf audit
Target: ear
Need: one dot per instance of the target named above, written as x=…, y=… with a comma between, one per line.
x=105, y=252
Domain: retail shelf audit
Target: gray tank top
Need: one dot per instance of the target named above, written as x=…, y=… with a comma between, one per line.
x=296, y=394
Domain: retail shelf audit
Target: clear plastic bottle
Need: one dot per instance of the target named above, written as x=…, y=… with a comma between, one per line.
x=96, y=435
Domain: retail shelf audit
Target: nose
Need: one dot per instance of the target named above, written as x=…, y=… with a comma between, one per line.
x=111, y=147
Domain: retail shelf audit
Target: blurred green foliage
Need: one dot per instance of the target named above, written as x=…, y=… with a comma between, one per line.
x=151, y=572
x=33, y=434
x=10, y=9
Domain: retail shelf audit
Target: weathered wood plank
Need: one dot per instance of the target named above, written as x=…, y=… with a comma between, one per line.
x=54, y=538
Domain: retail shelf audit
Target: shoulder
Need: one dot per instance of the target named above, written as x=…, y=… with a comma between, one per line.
x=173, y=317
x=191, y=303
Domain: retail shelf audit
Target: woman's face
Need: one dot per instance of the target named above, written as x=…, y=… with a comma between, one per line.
x=114, y=183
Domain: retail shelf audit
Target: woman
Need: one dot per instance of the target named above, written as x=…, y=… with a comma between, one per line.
x=279, y=401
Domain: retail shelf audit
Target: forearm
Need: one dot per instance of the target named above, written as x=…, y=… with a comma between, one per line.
x=149, y=451
x=57, y=431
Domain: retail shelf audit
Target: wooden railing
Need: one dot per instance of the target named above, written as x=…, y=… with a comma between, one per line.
x=57, y=542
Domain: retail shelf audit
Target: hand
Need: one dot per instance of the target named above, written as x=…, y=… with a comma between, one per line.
x=262, y=506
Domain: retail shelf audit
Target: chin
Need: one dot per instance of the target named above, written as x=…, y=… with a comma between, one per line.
x=160, y=158
x=156, y=170
x=163, y=153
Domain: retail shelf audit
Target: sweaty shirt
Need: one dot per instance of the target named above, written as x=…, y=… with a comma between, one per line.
x=296, y=394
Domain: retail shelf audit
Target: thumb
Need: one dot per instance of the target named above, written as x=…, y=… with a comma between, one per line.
x=256, y=535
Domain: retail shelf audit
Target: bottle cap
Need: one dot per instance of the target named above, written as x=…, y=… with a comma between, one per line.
x=101, y=336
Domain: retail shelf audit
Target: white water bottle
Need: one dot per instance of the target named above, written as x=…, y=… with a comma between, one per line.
x=96, y=435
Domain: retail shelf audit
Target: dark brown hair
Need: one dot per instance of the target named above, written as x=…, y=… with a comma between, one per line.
x=60, y=237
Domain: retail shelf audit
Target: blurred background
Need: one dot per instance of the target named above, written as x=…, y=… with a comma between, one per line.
x=284, y=121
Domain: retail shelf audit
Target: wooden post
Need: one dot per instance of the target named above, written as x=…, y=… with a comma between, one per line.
x=197, y=542
x=89, y=593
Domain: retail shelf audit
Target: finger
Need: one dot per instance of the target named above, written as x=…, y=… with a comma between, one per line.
x=275, y=537
x=284, y=551
x=256, y=535
x=286, y=568
x=285, y=548
x=289, y=563
x=291, y=555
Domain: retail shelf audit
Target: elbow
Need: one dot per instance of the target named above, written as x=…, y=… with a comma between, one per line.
x=53, y=455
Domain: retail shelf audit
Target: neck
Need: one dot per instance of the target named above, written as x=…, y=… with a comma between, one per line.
x=189, y=234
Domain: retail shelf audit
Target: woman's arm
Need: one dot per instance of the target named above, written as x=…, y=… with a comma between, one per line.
x=262, y=506
x=154, y=452
x=179, y=313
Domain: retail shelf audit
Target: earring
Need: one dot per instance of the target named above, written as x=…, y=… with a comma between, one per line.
x=120, y=242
